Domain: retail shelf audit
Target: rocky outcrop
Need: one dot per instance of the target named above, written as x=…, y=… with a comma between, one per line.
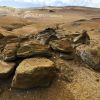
x=40, y=71
x=6, y=69
x=34, y=72
x=12, y=47
x=90, y=55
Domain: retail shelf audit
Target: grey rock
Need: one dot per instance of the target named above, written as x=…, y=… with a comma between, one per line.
x=62, y=46
x=82, y=38
x=90, y=55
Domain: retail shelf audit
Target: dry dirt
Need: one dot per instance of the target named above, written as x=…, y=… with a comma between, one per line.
x=67, y=20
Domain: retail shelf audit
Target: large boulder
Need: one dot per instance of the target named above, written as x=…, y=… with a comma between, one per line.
x=6, y=69
x=9, y=52
x=31, y=48
x=90, y=55
x=63, y=45
x=34, y=72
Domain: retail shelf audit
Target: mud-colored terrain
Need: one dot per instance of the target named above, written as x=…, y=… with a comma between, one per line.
x=56, y=34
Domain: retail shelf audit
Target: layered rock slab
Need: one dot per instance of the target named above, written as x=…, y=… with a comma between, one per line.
x=34, y=72
x=32, y=48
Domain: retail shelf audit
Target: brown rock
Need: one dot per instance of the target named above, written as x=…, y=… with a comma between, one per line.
x=62, y=45
x=34, y=72
x=82, y=38
x=69, y=56
x=1, y=36
x=31, y=48
x=6, y=69
x=12, y=39
x=9, y=52
x=46, y=36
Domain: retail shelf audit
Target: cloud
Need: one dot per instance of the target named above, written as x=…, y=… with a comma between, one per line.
x=88, y=3
x=91, y=3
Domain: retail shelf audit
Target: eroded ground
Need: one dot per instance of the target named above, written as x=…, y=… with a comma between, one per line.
x=85, y=82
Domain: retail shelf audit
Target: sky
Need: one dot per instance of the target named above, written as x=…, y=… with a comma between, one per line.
x=41, y=3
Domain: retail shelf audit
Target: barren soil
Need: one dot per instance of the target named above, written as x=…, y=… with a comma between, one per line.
x=85, y=83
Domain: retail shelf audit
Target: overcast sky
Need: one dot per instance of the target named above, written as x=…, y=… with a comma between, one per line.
x=39, y=3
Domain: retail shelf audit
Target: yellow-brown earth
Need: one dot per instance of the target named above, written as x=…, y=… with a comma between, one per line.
x=66, y=20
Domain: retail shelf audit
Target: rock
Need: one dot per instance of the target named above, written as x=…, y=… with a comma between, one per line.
x=6, y=69
x=51, y=11
x=9, y=52
x=66, y=71
x=32, y=48
x=46, y=36
x=12, y=39
x=69, y=56
x=34, y=72
x=1, y=36
x=13, y=26
x=24, y=37
x=82, y=38
x=62, y=46
x=1, y=47
x=90, y=55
